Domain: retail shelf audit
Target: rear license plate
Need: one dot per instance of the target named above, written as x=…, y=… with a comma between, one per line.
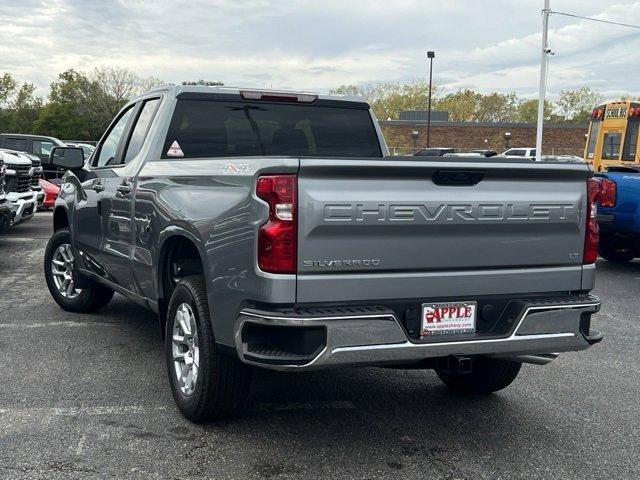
x=448, y=318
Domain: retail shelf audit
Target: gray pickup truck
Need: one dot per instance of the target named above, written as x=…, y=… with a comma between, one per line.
x=271, y=229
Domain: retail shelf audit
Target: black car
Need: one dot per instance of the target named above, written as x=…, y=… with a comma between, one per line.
x=38, y=145
x=434, y=152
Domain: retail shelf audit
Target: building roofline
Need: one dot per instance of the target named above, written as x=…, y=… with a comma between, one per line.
x=570, y=126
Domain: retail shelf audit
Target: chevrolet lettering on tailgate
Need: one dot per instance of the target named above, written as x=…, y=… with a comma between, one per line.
x=426, y=213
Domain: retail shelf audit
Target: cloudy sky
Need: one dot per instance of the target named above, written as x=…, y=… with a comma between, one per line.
x=320, y=44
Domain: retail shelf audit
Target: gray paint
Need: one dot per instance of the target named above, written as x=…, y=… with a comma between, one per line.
x=218, y=211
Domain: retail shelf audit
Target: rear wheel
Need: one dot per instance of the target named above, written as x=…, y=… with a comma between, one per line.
x=488, y=375
x=617, y=248
x=59, y=275
x=206, y=383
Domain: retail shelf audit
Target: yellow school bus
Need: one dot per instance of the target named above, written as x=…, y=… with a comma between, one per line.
x=613, y=135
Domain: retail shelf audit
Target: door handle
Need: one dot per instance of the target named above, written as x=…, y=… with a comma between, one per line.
x=124, y=188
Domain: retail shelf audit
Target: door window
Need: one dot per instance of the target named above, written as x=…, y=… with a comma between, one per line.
x=611, y=146
x=19, y=144
x=141, y=128
x=109, y=148
x=631, y=141
x=42, y=147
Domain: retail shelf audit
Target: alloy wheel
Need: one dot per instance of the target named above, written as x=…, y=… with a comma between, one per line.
x=185, y=349
x=62, y=270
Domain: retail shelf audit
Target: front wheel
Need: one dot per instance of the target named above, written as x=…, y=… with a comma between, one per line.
x=488, y=375
x=58, y=272
x=206, y=383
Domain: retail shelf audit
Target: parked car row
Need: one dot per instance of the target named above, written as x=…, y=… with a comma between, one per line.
x=23, y=189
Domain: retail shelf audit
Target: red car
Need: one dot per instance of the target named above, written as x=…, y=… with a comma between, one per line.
x=50, y=193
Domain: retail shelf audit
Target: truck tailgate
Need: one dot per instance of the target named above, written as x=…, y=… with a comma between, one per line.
x=404, y=227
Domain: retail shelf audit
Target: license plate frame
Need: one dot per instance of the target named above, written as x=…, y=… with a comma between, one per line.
x=448, y=318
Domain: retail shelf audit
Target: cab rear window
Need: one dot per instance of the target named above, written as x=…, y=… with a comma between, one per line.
x=202, y=128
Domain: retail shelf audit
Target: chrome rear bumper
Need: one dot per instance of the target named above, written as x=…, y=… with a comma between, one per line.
x=377, y=338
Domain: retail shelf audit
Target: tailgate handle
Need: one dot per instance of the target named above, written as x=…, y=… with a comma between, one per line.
x=458, y=178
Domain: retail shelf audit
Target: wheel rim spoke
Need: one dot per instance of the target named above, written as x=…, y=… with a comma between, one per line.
x=184, y=349
x=62, y=271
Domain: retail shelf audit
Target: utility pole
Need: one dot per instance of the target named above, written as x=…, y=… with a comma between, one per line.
x=543, y=78
x=430, y=55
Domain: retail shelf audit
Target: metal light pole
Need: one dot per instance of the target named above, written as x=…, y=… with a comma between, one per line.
x=430, y=55
x=543, y=78
x=414, y=139
x=507, y=137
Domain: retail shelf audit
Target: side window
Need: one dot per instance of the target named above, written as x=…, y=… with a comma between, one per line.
x=42, y=147
x=109, y=148
x=141, y=128
x=593, y=137
x=631, y=141
x=19, y=144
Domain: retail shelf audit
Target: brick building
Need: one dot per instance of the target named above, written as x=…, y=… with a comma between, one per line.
x=558, y=139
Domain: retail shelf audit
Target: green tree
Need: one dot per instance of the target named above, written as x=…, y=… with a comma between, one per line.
x=352, y=90
x=576, y=105
x=76, y=108
x=497, y=107
x=8, y=86
x=461, y=105
x=389, y=99
x=528, y=111
x=25, y=109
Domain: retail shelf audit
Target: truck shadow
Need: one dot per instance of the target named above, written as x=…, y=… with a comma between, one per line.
x=606, y=266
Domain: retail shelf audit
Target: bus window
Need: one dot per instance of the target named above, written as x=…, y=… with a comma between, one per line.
x=593, y=138
x=611, y=146
x=630, y=141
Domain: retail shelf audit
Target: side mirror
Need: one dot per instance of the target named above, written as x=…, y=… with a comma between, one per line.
x=68, y=158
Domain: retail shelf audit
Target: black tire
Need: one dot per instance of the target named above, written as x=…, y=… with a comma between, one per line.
x=488, y=375
x=616, y=249
x=90, y=299
x=223, y=381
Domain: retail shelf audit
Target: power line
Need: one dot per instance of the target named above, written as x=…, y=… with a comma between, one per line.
x=596, y=20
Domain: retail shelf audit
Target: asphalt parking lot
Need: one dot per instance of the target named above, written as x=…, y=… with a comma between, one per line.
x=86, y=396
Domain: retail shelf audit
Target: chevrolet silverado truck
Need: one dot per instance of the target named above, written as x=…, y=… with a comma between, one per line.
x=618, y=213
x=18, y=185
x=7, y=210
x=272, y=230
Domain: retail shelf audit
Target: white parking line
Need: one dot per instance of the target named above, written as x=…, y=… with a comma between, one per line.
x=58, y=324
x=81, y=411
x=41, y=412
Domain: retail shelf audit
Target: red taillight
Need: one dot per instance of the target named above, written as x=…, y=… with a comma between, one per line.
x=607, y=197
x=592, y=232
x=277, y=239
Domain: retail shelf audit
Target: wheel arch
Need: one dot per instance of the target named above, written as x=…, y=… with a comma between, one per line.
x=60, y=218
x=179, y=255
